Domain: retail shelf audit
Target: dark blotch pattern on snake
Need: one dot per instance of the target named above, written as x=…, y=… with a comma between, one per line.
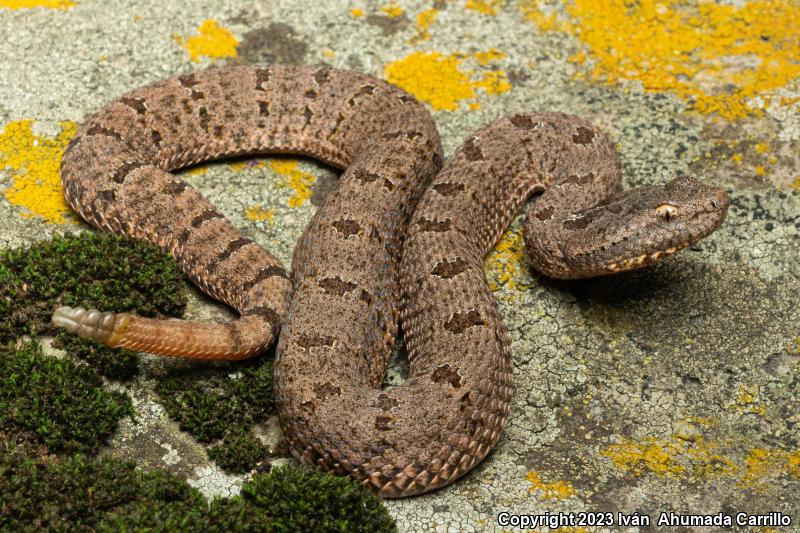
x=354, y=276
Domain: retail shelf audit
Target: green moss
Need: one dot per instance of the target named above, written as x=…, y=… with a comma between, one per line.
x=49, y=404
x=224, y=516
x=302, y=499
x=222, y=403
x=120, y=365
x=239, y=451
x=89, y=270
x=63, y=404
x=100, y=494
x=110, y=495
x=120, y=274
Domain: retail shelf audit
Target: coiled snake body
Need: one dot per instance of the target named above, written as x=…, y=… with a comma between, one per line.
x=364, y=253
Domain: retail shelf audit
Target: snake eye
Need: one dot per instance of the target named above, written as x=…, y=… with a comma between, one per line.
x=667, y=211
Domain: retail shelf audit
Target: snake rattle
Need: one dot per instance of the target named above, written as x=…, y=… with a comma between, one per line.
x=399, y=238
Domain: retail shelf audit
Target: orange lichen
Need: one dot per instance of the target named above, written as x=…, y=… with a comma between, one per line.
x=556, y=490
x=720, y=58
x=487, y=7
x=35, y=161
x=30, y=4
x=213, y=41
x=357, y=12
x=437, y=79
x=292, y=178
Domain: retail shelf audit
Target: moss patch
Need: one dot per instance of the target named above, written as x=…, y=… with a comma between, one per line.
x=301, y=499
x=64, y=405
x=59, y=405
x=239, y=451
x=121, y=274
x=222, y=403
x=120, y=365
x=89, y=270
x=110, y=495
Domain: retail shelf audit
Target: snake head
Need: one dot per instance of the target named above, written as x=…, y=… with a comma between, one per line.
x=641, y=226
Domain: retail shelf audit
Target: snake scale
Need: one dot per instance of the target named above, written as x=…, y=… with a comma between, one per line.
x=401, y=239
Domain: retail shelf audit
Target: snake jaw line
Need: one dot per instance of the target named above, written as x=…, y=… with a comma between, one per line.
x=644, y=259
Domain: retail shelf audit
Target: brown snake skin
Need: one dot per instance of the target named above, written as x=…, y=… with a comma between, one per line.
x=351, y=269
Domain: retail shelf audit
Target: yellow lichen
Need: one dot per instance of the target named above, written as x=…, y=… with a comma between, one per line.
x=503, y=265
x=494, y=82
x=487, y=7
x=544, y=21
x=647, y=455
x=424, y=21
x=392, y=10
x=196, y=171
x=796, y=186
x=484, y=58
x=556, y=490
x=793, y=464
x=706, y=463
x=761, y=466
x=35, y=161
x=357, y=12
x=257, y=213
x=717, y=57
x=747, y=401
x=437, y=79
x=292, y=178
x=242, y=164
x=30, y=4
x=213, y=41
x=698, y=459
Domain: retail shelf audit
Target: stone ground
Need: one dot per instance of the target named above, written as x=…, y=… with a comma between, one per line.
x=670, y=389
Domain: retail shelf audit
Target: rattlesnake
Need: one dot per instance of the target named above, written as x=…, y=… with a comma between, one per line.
x=352, y=268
